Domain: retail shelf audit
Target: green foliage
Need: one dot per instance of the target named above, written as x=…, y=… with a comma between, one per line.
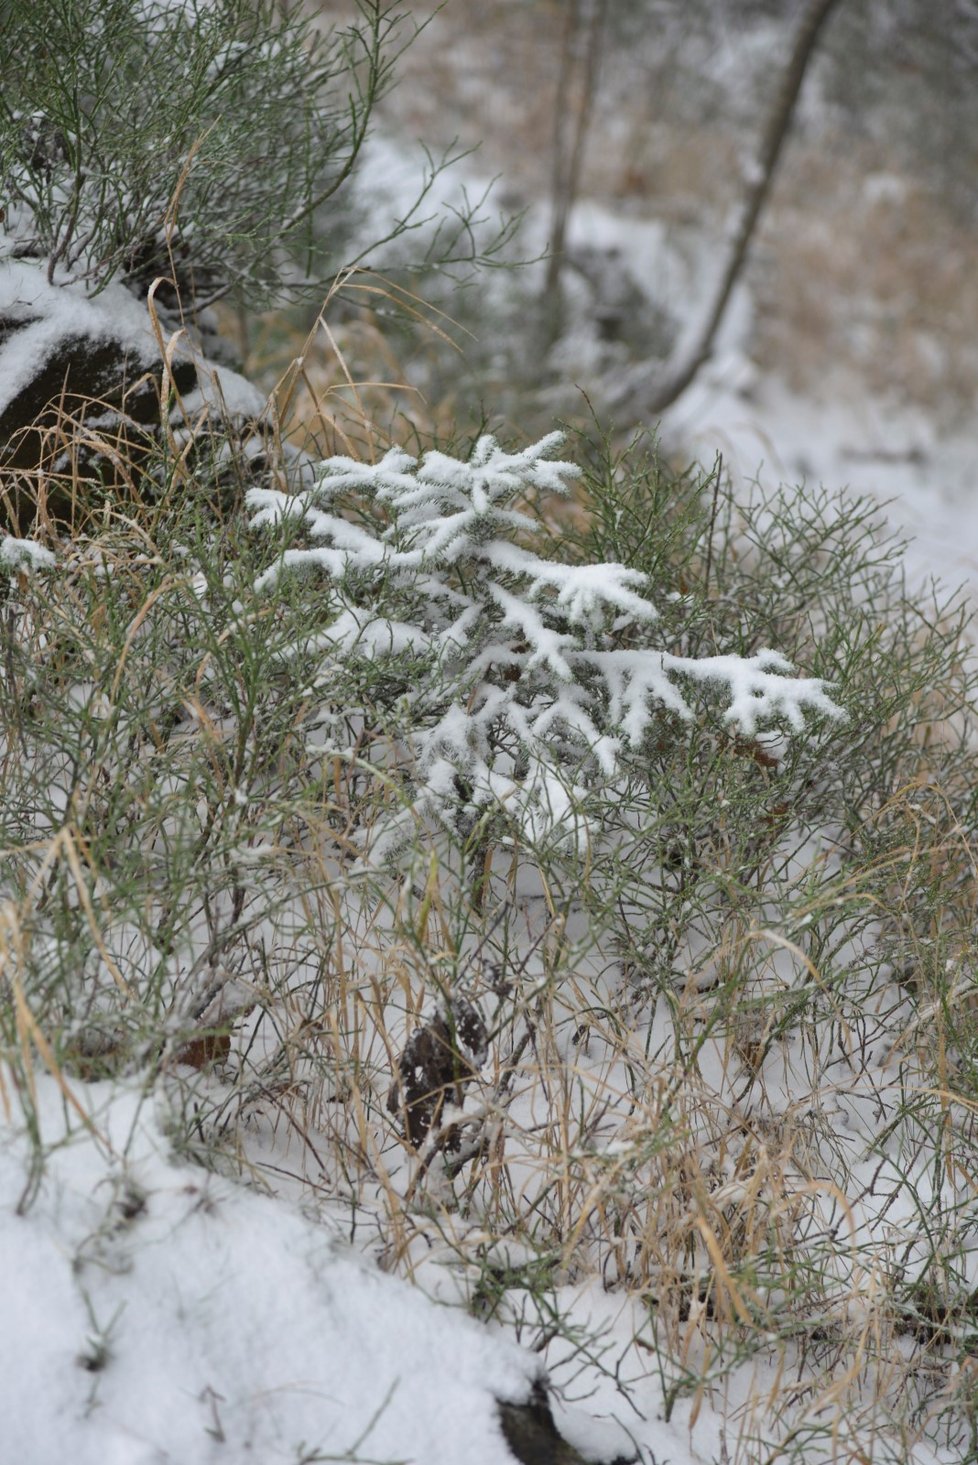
x=194, y=139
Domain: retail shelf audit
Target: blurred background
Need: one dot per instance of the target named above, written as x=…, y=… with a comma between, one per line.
x=631, y=136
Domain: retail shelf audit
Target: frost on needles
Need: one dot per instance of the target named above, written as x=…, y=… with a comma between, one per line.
x=511, y=682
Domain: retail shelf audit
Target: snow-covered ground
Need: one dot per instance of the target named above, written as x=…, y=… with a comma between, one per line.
x=155, y=1313
x=925, y=481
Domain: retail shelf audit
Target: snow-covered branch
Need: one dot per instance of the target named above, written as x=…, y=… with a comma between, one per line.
x=517, y=690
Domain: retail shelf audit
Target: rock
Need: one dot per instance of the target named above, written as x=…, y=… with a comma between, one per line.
x=81, y=385
x=85, y=393
x=532, y=1435
x=438, y=1061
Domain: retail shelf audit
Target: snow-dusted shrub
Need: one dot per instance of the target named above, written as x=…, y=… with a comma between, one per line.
x=207, y=143
x=191, y=139
x=515, y=681
x=731, y=1053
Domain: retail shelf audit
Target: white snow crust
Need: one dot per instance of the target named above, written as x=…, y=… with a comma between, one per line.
x=156, y=1313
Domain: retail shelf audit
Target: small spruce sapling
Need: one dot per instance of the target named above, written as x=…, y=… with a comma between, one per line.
x=517, y=680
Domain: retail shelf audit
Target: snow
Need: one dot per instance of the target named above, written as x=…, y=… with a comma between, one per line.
x=222, y=393
x=154, y=1312
x=24, y=555
x=55, y=312
x=46, y=315
x=924, y=482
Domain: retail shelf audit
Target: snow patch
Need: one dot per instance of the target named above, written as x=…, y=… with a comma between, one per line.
x=154, y=1311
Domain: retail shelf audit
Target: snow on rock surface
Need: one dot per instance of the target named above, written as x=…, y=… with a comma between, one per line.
x=24, y=555
x=40, y=316
x=65, y=355
x=157, y=1313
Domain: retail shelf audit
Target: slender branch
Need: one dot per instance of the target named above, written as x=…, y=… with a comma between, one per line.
x=569, y=162
x=657, y=389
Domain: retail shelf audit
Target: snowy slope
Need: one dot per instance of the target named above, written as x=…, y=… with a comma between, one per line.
x=157, y=1313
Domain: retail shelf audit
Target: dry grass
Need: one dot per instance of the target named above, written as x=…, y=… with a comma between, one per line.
x=674, y=1169
x=337, y=383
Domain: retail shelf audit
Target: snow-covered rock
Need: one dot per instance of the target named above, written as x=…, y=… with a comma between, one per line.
x=83, y=377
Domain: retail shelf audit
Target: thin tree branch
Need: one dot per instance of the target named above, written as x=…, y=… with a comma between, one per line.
x=653, y=391
x=568, y=160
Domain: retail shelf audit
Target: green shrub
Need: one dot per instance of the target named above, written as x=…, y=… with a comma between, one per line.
x=732, y=1032
x=190, y=139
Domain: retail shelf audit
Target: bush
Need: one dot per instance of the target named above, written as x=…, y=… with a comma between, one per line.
x=190, y=139
x=706, y=1052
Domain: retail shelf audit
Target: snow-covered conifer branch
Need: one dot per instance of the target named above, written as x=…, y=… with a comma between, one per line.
x=515, y=690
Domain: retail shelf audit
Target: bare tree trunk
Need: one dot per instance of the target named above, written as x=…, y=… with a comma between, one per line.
x=580, y=52
x=652, y=391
